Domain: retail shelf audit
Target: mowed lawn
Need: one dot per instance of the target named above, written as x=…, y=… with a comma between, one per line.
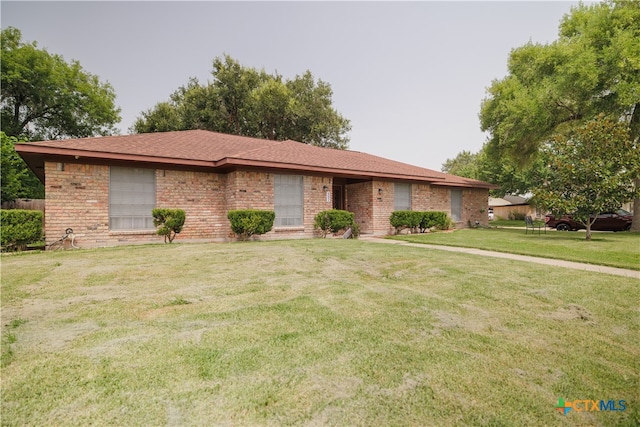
x=620, y=250
x=312, y=332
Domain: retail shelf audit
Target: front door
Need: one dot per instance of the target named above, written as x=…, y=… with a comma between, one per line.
x=338, y=197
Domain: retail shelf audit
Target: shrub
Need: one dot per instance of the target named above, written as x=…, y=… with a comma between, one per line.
x=437, y=219
x=247, y=222
x=419, y=220
x=405, y=219
x=169, y=222
x=20, y=227
x=334, y=220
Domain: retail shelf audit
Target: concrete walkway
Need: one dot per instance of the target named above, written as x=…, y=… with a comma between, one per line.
x=525, y=258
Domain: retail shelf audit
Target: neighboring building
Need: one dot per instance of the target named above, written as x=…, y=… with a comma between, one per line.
x=105, y=187
x=509, y=206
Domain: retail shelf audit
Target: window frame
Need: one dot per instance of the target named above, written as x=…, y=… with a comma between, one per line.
x=406, y=190
x=458, y=212
x=146, y=198
x=282, y=203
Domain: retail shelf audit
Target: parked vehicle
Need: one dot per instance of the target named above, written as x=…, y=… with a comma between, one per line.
x=619, y=220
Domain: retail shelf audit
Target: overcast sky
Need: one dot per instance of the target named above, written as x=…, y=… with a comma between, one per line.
x=410, y=76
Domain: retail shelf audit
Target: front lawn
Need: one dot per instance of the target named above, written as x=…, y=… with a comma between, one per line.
x=510, y=222
x=313, y=332
x=605, y=248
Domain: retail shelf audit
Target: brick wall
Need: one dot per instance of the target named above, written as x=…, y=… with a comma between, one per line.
x=255, y=190
x=372, y=208
x=383, y=206
x=475, y=203
x=77, y=196
x=421, y=197
x=203, y=198
x=440, y=200
x=249, y=190
x=315, y=200
x=359, y=200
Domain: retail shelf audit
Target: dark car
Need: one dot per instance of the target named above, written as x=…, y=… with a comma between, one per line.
x=608, y=221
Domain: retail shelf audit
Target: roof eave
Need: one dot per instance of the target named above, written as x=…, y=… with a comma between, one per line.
x=474, y=184
x=36, y=154
x=230, y=161
x=79, y=154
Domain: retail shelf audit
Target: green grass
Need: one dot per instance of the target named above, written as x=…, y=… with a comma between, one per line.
x=312, y=332
x=499, y=222
x=611, y=249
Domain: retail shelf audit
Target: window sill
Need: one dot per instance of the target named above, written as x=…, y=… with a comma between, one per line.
x=288, y=229
x=131, y=232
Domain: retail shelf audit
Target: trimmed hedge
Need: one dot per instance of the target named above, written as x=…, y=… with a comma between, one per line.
x=247, y=222
x=20, y=227
x=169, y=222
x=334, y=220
x=419, y=220
x=437, y=219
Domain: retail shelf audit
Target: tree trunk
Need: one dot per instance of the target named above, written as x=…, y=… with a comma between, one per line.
x=634, y=127
x=589, y=222
x=635, y=224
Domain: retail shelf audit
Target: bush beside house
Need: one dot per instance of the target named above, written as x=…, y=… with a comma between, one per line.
x=419, y=220
x=169, y=222
x=20, y=227
x=247, y=222
x=335, y=220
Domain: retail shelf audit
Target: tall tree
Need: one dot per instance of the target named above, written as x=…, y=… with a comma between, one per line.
x=512, y=178
x=44, y=97
x=464, y=164
x=593, y=68
x=245, y=101
x=589, y=170
x=18, y=181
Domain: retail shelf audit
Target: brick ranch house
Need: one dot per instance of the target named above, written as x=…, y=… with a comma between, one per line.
x=105, y=187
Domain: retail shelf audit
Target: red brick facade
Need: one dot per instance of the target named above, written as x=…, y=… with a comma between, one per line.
x=203, y=196
x=77, y=196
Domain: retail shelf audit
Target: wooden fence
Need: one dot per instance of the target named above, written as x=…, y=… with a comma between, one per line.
x=31, y=204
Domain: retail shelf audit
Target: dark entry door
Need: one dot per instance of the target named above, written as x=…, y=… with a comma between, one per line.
x=338, y=197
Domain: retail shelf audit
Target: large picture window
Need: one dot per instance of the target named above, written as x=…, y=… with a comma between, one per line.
x=402, y=197
x=132, y=196
x=288, y=191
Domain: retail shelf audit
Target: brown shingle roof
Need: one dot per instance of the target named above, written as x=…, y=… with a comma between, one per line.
x=216, y=150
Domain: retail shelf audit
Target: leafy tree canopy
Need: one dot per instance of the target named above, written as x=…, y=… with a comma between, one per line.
x=18, y=181
x=592, y=69
x=589, y=170
x=464, y=164
x=512, y=178
x=44, y=97
x=245, y=101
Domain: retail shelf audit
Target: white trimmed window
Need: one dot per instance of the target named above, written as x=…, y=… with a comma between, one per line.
x=132, y=196
x=402, y=197
x=289, y=192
